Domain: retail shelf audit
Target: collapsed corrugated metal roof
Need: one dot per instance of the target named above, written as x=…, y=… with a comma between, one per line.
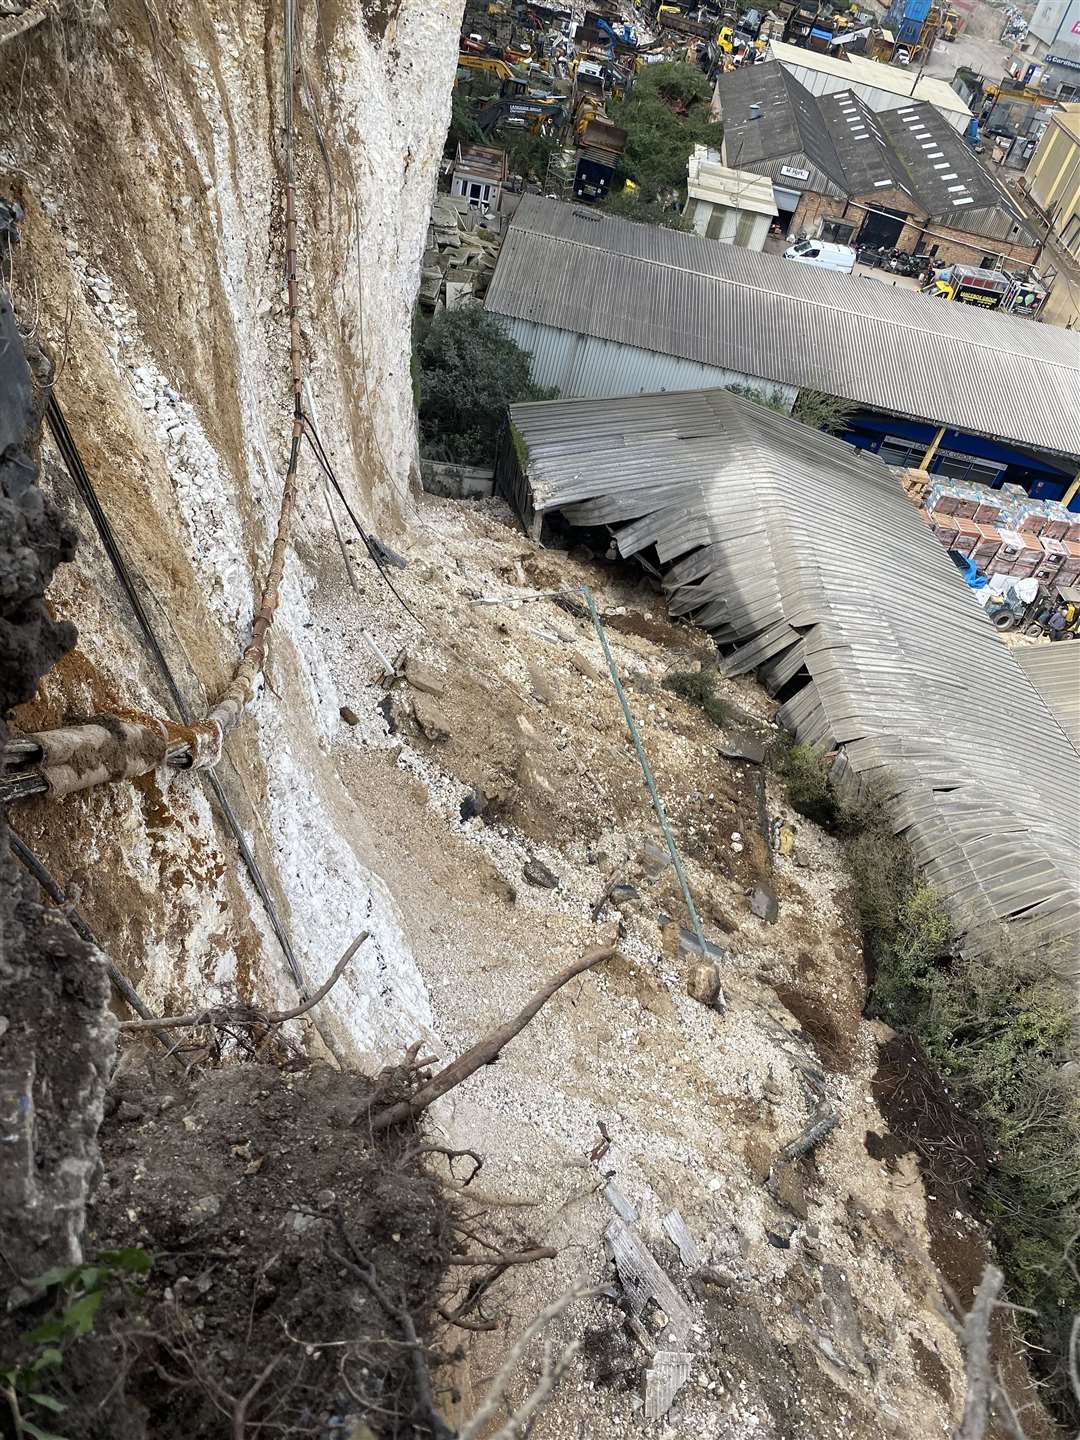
x=805, y=559
x=1054, y=670
x=760, y=315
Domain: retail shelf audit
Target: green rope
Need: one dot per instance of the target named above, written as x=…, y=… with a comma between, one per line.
x=658, y=804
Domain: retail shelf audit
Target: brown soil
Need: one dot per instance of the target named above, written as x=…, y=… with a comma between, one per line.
x=827, y=996
x=258, y=1201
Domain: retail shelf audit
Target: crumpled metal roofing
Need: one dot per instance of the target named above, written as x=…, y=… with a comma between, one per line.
x=588, y=273
x=1054, y=670
x=805, y=559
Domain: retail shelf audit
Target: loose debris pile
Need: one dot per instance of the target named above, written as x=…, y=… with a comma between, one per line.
x=710, y=1168
x=463, y=246
x=265, y=1261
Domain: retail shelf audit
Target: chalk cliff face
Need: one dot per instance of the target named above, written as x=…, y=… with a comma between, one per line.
x=143, y=142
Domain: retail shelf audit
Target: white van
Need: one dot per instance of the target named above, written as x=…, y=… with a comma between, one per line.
x=823, y=253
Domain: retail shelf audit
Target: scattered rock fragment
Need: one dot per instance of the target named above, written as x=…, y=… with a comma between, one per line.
x=423, y=678
x=653, y=860
x=788, y=1189
x=703, y=983
x=474, y=805
x=539, y=685
x=537, y=873
x=764, y=904
x=585, y=667
x=743, y=747
x=801, y=858
x=349, y=715
x=432, y=722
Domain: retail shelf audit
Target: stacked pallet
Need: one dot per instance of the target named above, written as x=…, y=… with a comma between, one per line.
x=1006, y=534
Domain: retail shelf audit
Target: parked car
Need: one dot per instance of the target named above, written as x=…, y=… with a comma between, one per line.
x=822, y=253
x=902, y=56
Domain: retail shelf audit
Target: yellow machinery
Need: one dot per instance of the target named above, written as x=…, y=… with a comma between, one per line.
x=725, y=39
x=1006, y=92
x=489, y=63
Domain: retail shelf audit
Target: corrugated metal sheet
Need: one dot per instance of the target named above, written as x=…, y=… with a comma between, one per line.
x=1054, y=670
x=585, y=365
x=779, y=539
x=882, y=87
x=682, y=295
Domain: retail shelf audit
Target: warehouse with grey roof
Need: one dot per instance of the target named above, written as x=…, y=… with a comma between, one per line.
x=607, y=307
x=844, y=172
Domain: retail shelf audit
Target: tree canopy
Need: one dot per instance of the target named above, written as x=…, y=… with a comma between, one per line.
x=629, y=205
x=665, y=115
x=470, y=370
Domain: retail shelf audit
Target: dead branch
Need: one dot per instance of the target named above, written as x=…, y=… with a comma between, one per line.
x=451, y=1156
x=222, y=1015
x=504, y=1257
x=487, y=1050
x=239, y=1422
x=467, y=1324
x=365, y=1273
x=496, y=1202
x=604, y=896
x=980, y=1377
x=552, y=1372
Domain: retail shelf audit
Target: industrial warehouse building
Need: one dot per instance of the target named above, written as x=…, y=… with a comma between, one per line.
x=609, y=308
x=842, y=171
x=881, y=87
x=1053, y=177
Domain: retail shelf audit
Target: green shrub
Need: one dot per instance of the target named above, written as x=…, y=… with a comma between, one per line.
x=629, y=205
x=699, y=688
x=665, y=115
x=470, y=372
x=809, y=788
x=1001, y=1027
x=823, y=412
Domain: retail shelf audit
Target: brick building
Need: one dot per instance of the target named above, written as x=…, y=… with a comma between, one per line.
x=846, y=173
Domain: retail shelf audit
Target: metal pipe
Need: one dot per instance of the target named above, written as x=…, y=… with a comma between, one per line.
x=658, y=804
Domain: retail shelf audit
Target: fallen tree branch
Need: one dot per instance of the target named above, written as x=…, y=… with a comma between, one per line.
x=980, y=1378
x=486, y=1050
x=503, y=1258
x=250, y=1014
